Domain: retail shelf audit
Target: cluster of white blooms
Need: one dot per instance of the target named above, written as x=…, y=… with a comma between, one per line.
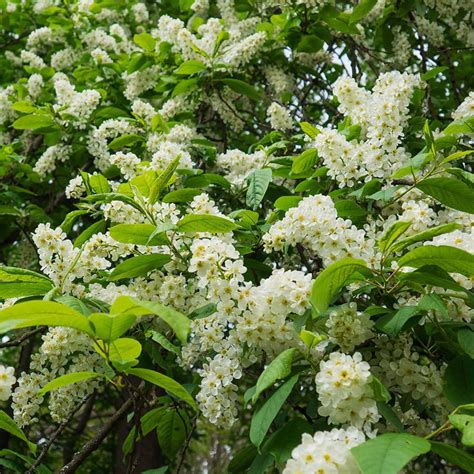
x=264, y=324
x=127, y=163
x=63, y=351
x=223, y=106
x=7, y=380
x=32, y=59
x=382, y=116
x=63, y=59
x=139, y=82
x=97, y=143
x=326, y=452
x=42, y=37
x=234, y=52
x=6, y=111
x=238, y=165
x=35, y=84
x=140, y=12
x=314, y=223
x=280, y=118
x=47, y=161
x=79, y=105
x=465, y=109
x=217, y=397
x=279, y=80
x=343, y=386
x=166, y=152
x=433, y=31
x=403, y=370
x=101, y=56
x=348, y=328
x=75, y=188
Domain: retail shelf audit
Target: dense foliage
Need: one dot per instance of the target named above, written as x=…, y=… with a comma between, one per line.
x=236, y=236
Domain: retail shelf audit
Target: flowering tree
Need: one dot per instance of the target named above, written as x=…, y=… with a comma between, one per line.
x=236, y=236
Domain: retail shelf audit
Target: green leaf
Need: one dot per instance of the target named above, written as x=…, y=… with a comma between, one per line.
x=433, y=302
x=163, y=342
x=125, y=141
x=121, y=351
x=458, y=381
x=145, y=41
x=392, y=234
x=42, y=313
x=138, y=234
x=387, y=412
x=466, y=341
x=177, y=321
x=109, y=327
x=465, y=424
x=171, y=430
x=242, y=87
x=361, y=10
x=263, y=418
x=258, y=185
x=242, y=459
x=139, y=265
x=279, y=368
x=392, y=324
x=287, y=202
x=87, y=233
x=17, y=282
x=205, y=223
x=330, y=281
x=166, y=383
x=433, y=276
x=32, y=122
x=163, y=179
x=190, y=67
x=149, y=421
x=181, y=195
x=460, y=127
x=67, y=379
x=304, y=162
x=425, y=235
x=380, y=392
x=432, y=73
x=453, y=455
x=388, y=453
x=450, y=259
x=309, y=129
x=8, y=425
x=451, y=192
x=24, y=106
x=309, y=44
x=99, y=183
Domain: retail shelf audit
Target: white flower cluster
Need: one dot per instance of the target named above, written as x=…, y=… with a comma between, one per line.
x=279, y=117
x=63, y=351
x=314, y=223
x=403, y=370
x=74, y=107
x=348, y=328
x=465, y=109
x=238, y=165
x=343, y=386
x=47, y=161
x=7, y=380
x=326, y=452
x=382, y=116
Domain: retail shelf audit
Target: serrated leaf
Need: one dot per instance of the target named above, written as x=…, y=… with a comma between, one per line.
x=330, y=281
x=67, y=379
x=451, y=192
x=205, y=223
x=138, y=266
x=17, y=282
x=166, y=383
x=450, y=259
x=388, y=453
x=258, y=182
x=8, y=425
x=278, y=369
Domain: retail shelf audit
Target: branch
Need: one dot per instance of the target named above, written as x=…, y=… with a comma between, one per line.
x=95, y=442
x=19, y=340
x=53, y=437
